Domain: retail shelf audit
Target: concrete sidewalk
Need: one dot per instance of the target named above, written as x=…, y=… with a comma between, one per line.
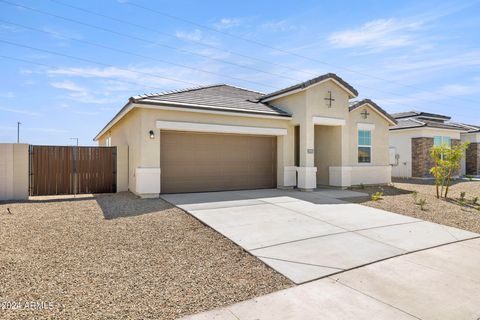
x=310, y=235
x=437, y=283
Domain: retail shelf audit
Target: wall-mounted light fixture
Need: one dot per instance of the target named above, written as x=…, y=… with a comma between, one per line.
x=152, y=134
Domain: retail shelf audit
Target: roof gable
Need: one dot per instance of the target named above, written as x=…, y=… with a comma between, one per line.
x=306, y=84
x=375, y=107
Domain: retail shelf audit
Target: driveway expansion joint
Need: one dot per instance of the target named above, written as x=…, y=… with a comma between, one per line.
x=304, y=263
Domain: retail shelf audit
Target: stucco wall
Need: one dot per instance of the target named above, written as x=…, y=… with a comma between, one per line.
x=122, y=168
x=311, y=102
x=144, y=152
x=380, y=143
x=127, y=132
x=13, y=171
x=401, y=140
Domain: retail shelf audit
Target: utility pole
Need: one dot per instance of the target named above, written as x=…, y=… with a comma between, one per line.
x=75, y=139
x=18, y=131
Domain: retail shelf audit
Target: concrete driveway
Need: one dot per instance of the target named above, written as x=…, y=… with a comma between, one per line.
x=438, y=283
x=311, y=235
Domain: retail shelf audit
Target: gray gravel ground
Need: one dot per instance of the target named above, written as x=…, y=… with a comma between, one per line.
x=118, y=257
x=398, y=198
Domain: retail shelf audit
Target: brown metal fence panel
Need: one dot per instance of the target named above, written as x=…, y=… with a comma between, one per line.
x=56, y=170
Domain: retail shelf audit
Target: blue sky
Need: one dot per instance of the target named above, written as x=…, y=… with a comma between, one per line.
x=63, y=78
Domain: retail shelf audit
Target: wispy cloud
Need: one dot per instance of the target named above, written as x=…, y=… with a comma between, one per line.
x=19, y=111
x=146, y=77
x=68, y=85
x=226, y=23
x=194, y=35
x=279, y=25
x=377, y=34
x=34, y=129
x=8, y=94
x=433, y=62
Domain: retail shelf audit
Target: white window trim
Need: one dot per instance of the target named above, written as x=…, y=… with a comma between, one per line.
x=365, y=126
x=365, y=146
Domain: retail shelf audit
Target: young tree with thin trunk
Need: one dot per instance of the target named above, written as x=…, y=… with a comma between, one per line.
x=447, y=160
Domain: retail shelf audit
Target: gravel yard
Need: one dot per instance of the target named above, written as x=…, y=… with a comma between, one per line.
x=115, y=256
x=399, y=198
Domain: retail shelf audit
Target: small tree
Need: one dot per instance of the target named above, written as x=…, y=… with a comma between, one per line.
x=447, y=161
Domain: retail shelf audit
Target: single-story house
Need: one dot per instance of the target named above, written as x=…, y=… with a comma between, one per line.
x=413, y=137
x=472, y=155
x=222, y=137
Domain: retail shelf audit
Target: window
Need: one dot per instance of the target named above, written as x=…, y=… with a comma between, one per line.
x=442, y=140
x=439, y=140
x=364, y=146
x=108, y=142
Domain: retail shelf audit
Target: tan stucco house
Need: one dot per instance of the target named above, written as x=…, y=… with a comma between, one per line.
x=417, y=132
x=222, y=137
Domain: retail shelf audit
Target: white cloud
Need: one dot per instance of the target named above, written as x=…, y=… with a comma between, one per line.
x=281, y=25
x=226, y=23
x=8, y=94
x=25, y=112
x=431, y=63
x=377, y=34
x=46, y=130
x=195, y=35
x=68, y=85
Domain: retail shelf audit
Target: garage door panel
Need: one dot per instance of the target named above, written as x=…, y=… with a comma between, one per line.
x=192, y=162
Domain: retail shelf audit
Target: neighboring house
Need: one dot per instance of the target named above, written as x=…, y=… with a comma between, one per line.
x=413, y=137
x=472, y=155
x=222, y=137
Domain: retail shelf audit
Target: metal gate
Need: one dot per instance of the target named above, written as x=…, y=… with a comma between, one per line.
x=58, y=170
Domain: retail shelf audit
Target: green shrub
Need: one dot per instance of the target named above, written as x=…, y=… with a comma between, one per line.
x=362, y=186
x=475, y=200
x=422, y=203
x=415, y=196
x=377, y=196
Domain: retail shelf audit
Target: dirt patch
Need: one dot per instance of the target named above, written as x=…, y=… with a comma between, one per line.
x=399, y=198
x=115, y=256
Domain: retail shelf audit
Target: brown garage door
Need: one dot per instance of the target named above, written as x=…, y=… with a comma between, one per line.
x=193, y=162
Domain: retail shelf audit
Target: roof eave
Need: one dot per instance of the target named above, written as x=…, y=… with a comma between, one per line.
x=184, y=107
x=307, y=84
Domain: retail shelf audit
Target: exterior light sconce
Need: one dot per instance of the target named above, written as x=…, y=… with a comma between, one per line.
x=152, y=134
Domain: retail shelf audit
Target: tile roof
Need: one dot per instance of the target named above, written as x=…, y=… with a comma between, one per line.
x=471, y=128
x=410, y=114
x=310, y=82
x=216, y=97
x=409, y=123
x=356, y=104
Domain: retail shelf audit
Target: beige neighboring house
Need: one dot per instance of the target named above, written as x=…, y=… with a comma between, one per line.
x=412, y=138
x=222, y=137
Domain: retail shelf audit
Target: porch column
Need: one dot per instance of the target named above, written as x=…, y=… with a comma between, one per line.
x=307, y=172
